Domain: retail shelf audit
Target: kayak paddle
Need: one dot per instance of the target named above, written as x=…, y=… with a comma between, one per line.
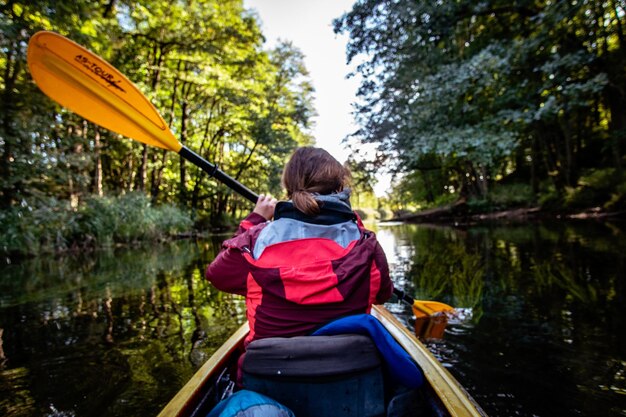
x=423, y=308
x=92, y=88
x=89, y=86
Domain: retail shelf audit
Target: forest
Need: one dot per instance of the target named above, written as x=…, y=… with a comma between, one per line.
x=497, y=103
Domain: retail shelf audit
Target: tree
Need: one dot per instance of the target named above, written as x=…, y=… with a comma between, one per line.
x=34, y=161
x=493, y=88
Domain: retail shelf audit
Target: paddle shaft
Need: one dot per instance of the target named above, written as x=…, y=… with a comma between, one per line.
x=403, y=296
x=218, y=174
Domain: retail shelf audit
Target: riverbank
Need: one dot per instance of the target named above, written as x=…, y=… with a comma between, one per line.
x=460, y=213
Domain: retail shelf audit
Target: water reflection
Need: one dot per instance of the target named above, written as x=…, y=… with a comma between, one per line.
x=118, y=332
x=113, y=334
x=544, y=337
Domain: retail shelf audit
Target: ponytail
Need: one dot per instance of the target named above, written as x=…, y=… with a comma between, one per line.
x=312, y=171
x=305, y=202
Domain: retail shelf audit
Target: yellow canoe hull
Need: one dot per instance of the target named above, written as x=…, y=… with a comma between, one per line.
x=454, y=400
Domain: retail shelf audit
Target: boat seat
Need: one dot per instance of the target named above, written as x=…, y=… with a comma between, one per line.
x=316, y=376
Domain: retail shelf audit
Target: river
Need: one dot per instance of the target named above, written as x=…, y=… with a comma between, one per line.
x=117, y=332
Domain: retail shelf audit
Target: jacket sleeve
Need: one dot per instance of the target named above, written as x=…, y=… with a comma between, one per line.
x=229, y=270
x=386, y=286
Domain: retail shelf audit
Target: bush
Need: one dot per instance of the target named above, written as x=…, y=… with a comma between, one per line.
x=600, y=187
x=171, y=220
x=29, y=229
x=604, y=188
x=479, y=205
x=551, y=201
x=618, y=199
x=221, y=221
x=52, y=225
x=130, y=218
x=444, y=200
x=511, y=195
x=362, y=214
x=12, y=237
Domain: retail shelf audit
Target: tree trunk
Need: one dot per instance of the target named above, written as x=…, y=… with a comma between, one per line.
x=143, y=169
x=182, y=190
x=97, y=180
x=131, y=180
x=534, y=166
x=550, y=158
x=157, y=177
x=108, y=8
x=222, y=204
x=567, y=164
x=159, y=55
x=481, y=180
x=10, y=187
x=157, y=172
x=617, y=124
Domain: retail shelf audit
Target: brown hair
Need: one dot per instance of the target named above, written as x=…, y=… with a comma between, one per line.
x=312, y=170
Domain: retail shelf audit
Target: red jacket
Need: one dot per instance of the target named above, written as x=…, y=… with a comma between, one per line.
x=300, y=272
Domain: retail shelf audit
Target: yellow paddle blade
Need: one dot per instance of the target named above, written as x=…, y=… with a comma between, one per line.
x=89, y=86
x=428, y=308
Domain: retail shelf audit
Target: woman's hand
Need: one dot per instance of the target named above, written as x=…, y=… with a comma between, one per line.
x=265, y=206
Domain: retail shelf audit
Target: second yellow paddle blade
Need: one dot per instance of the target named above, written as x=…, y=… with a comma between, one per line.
x=427, y=308
x=89, y=86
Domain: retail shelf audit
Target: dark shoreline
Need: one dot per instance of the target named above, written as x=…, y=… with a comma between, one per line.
x=456, y=214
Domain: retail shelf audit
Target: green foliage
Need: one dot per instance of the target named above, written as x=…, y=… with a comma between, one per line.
x=502, y=197
x=511, y=195
x=421, y=190
x=129, y=218
x=28, y=229
x=383, y=213
x=491, y=89
x=362, y=186
x=222, y=221
x=201, y=63
x=617, y=202
x=601, y=188
x=53, y=225
x=598, y=187
x=551, y=200
x=443, y=199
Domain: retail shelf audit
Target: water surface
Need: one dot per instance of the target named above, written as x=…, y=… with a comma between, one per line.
x=118, y=332
x=546, y=334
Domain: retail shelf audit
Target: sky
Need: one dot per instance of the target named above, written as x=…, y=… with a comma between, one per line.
x=308, y=25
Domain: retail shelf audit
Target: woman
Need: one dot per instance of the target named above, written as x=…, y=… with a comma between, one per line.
x=314, y=263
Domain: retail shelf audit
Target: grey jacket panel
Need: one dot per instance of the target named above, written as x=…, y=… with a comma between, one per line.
x=286, y=229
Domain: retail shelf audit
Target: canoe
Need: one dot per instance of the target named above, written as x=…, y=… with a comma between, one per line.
x=446, y=397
